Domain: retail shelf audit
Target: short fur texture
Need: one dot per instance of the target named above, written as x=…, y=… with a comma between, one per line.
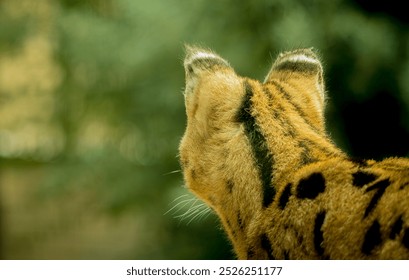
x=258, y=154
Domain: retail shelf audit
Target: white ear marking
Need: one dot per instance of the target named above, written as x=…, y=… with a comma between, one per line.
x=200, y=54
x=300, y=58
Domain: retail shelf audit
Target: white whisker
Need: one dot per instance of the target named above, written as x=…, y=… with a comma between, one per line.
x=184, y=202
x=188, y=208
x=193, y=210
x=172, y=172
x=201, y=213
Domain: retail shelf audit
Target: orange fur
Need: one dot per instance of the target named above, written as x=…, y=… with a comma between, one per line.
x=258, y=154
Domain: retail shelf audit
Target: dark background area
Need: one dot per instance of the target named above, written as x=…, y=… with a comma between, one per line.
x=91, y=112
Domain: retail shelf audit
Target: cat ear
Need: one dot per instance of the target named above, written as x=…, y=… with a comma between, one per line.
x=199, y=59
x=208, y=77
x=302, y=64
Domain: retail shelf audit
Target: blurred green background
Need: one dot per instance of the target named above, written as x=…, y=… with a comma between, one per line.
x=91, y=112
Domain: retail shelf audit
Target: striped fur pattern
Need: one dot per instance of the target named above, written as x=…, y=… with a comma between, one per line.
x=258, y=154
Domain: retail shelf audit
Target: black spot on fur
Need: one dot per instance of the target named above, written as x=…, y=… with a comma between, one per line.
x=380, y=188
x=362, y=178
x=233, y=232
x=285, y=196
x=318, y=233
x=240, y=222
x=300, y=238
x=263, y=157
x=396, y=228
x=230, y=186
x=311, y=186
x=372, y=238
x=266, y=245
x=250, y=254
x=193, y=173
x=286, y=255
x=405, y=239
x=404, y=186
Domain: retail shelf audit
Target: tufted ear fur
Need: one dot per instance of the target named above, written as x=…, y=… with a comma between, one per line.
x=208, y=78
x=300, y=65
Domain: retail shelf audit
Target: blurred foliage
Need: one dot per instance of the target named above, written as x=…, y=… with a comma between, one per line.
x=91, y=111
